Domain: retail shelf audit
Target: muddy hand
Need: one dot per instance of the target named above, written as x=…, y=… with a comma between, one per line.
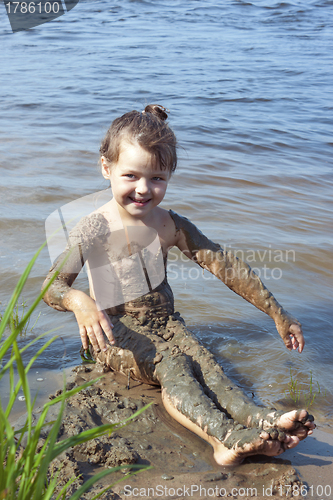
x=290, y=330
x=92, y=322
x=94, y=332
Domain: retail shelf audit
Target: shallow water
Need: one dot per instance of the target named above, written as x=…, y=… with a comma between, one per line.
x=249, y=90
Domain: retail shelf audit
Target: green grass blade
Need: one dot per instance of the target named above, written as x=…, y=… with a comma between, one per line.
x=17, y=291
x=72, y=392
x=144, y=468
x=12, y=360
x=24, y=477
x=50, y=489
x=19, y=383
x=77, y=495
x=63, y=491
x=26, y=317
x=10, y=339
x=35, y=323
x=43, y=468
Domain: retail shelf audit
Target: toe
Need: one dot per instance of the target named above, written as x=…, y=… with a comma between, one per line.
x=292, y=442
x=301, y=416
x=281, y=436
x=264, y=435
x=274, y=433
x=304, y=417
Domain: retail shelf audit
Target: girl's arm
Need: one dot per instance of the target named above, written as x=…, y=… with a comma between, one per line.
x=63, y=297
x=238, y=276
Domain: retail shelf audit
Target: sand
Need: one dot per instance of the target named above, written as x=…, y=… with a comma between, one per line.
x=183, y=463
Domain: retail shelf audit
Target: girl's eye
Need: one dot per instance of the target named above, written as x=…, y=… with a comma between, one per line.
x=130, y=176
x=158, y=179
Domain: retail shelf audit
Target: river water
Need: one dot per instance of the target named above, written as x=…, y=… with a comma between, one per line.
x=249, y=89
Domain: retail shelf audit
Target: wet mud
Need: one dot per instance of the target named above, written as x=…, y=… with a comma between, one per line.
x=180, y=458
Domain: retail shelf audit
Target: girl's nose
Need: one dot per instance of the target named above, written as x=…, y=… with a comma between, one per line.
x=142, y=186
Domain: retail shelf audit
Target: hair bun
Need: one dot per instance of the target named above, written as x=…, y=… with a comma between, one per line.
x=157, y=110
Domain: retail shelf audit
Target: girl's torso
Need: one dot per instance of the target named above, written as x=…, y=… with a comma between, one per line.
x=134, y=260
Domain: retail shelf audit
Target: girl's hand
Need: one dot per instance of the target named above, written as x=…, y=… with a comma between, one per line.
x=290, y=331
x=91, y=321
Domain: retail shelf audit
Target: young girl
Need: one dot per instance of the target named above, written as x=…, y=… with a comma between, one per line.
x=131, y=301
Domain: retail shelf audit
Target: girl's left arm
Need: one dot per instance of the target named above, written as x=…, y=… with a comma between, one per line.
x=238, y=276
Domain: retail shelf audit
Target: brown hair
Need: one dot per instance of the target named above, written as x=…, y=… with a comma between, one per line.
x=149, y=129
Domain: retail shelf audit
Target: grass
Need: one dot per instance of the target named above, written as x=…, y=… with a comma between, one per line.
x=16, y=316
x=306, y=393
x=24, y=471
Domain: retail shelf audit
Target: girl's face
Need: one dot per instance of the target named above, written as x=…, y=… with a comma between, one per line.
x=138, y=185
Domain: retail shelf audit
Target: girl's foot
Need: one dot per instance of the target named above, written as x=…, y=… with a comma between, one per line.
x=296, y=422
x=248, y=442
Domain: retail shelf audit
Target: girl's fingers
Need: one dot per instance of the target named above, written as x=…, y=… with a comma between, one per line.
x=92, y=338
x=107, y=327
x=84, y=337
x=294, y=341
x=94, y=332
x=288, y=342
x=296, y=331
x=99, y=338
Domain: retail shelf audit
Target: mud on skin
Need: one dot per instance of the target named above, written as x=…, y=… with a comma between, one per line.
x=232, y=271
x=170, y=356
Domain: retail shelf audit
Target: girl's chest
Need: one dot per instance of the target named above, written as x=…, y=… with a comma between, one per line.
x=125, y=240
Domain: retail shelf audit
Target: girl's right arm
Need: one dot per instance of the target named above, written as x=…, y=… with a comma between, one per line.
x=62, y=297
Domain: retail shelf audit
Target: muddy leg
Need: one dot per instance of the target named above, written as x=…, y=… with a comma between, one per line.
x=151, y=359
x=238, y=444
x=185, y=401
x=244, y=410
x=185, y=393
x=136, y=352
x=230, y=398
x=225, y=394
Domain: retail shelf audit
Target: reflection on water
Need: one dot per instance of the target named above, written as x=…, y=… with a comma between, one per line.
x=249, y=92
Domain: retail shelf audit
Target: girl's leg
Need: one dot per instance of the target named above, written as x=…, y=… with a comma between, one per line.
x=185, y=401
x=296, y=422
x=149, y=358
x=230, y=398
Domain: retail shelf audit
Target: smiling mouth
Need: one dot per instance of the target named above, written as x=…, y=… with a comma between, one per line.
x=139, y=202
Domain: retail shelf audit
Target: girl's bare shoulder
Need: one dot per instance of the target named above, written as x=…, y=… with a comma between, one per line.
x=110, y=215
x=168, y=231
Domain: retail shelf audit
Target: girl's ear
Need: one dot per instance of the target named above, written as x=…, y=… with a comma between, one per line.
x=106, y=168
